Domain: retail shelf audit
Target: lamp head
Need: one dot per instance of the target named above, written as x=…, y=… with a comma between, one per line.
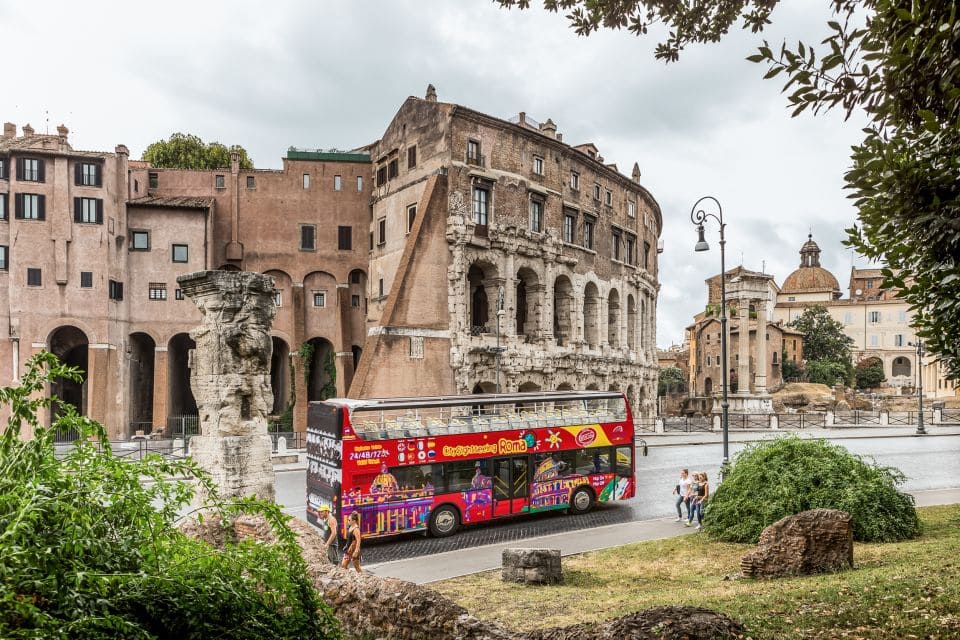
x=702, y=244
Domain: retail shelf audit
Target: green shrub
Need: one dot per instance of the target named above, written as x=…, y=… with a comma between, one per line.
x=770, y=480
x=89, y=546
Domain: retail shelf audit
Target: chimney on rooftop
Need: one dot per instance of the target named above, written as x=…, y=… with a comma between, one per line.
x=27, y=131
x=431, y=94
x=549, y=129
x=9, y=130
x=235, y=162
x=636, y=172
x=63, y=132
x=523, y=118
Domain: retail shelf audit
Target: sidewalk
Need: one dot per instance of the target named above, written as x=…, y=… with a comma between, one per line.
x=451, y=564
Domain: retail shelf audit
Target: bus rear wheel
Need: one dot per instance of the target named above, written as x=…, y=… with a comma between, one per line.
x=581, y=501
x=444, y=521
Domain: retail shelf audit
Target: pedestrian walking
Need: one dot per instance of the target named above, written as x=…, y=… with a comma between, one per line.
x=700, y=498
x=681, y=490
x=352, y=554
x=328, y=524
x=692, y=495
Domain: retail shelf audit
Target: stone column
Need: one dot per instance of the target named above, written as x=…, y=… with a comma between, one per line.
x=760, y=379
x=743, y=326
x=230, y=378
x=545, y=309
x=508, y=325
x=160, y=389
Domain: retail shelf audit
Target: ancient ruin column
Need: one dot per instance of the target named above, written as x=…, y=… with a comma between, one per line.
x=760, y=377
x=743, y=327
x=230, y=378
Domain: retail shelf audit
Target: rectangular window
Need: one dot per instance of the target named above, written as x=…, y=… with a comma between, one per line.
x=178, y=294
x=411, y=157
x=393, y=169
x=411, y=217
x=219, y=182
x=337, y=183
x=344, y=238
x=874, y=317
x=616, y=241
x=115, y=290
x=87, y=174
x=588, y=225
x=251, y=182
x=596, y=192
x=538, y=165
x=575, y=181
x=569, y=226
x=481, y=206
x=320, y=299
x=355, y=301
x=371, y=241
x=153, y=180
x=847, y=318
x=3, y=206
x=898, y=340
x=158, y=290
x=4, y=257
x=30, y=169
x=874, y=341
x=473, y=152
x=88, y=210
x=306, y=181
x=3, y=168
x=646, y=255
x=536, y=215
x=631, y=209
x=381, y=287
x=381, y=231
x=901, y=316
x=34, y=277
x=308, y=237
x=355, y=276
x=631, y=250
x=139, y=240
x=359, y=184
x=278, y=299
x=869, y=284
x=609, y=198
x=31, y=206
x=381, y=175
x=180, y=253
x=86, y=279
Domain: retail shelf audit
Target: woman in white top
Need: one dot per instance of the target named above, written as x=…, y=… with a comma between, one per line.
x=681, y=491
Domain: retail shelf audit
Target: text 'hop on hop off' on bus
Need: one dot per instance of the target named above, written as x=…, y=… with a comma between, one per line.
x=435, y=463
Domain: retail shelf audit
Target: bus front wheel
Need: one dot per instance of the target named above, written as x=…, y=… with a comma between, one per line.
x=444, y=521
x=581, y=501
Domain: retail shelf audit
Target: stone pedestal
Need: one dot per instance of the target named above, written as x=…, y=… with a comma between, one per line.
x=230, y=379
x=532, y=566
x=749, y=403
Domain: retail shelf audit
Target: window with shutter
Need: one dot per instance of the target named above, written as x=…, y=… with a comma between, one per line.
x=86, y=279
x=88, y=210
x=3, y=168
x=34, y=277
x=345, y=238
x=308, y=237
x=87, y=174
x=3, y=206
x=4, y=257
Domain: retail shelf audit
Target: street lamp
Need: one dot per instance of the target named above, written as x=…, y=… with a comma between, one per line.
x=920, y=353
x=698, y=217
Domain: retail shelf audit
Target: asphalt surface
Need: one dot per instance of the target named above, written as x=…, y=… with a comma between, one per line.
x=929, y=463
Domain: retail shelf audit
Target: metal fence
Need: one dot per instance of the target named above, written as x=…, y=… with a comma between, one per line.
x=857, y=417
x=687, y=424
x=748, y=421
x=294, y=439
x=801, y=420
x=183, y=426
x=136, y=449
x=644, y=426
x=950, y=416
x=908, y=417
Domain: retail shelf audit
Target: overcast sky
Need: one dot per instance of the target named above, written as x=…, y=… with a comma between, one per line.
x=332, y=74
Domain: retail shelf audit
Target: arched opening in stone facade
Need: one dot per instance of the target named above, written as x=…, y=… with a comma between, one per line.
x=141, y=352
x=280, y=375
x=527, y=302
x=481, y=280
x=321, y=383
x=563, y=310
x=357, y=282
x=228, y=267
x=357, y=353
x=566, y=386
x=70, y=345
x=593, y=386
x=528, y=386
x=614, y=387
x=613, y=318
x=901, y=367
x=181, y=404
x=591, y=315
x=631, y=322
x=708, y=387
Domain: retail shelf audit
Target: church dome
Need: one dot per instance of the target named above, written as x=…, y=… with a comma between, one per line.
x=811, y=277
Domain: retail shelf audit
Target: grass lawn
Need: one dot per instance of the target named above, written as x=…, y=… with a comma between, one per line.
x=897, y=590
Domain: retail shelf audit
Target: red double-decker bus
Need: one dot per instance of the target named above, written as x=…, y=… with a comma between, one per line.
x=435, y=463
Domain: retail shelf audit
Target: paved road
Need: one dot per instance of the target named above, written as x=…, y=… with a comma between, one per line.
x=929, y=463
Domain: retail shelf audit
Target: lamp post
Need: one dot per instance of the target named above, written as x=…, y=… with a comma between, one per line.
x=921, y=431
x=698, y=217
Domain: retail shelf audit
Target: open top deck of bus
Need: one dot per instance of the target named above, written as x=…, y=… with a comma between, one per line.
x=394, y=418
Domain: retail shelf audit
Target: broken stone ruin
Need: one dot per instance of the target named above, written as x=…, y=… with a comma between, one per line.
x=230, y=378
x=815, y=541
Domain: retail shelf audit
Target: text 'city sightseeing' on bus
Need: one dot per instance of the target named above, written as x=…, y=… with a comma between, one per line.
x=434, y=463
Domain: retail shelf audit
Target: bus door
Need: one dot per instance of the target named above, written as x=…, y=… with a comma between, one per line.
x=511, y=485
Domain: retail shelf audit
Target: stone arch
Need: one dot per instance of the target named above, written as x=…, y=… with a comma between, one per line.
x=484, y=387
x=613, y=318
x=631, y=322
x=901, y=366
x=357, y=352
x=357, y=284
x=565, y=386
x=283, y=282
x=180, y=400
x=280, y=375
x=614, y=387
x=321, y=383
x=528, y=386
x=708, y=386
x=482, y=284
x=593, y=386
x=528, y=302
x=591, y=315
x=71, y=346
x=141, y=354
x=563, y=311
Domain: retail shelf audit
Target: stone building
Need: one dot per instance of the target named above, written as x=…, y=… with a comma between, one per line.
x=490, y=233
x=456, y=205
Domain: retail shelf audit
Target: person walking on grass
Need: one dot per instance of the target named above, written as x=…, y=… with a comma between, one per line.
x=353, y=543
x=681, y=490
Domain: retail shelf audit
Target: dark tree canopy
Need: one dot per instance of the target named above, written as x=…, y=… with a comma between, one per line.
x=826, y=348
x=897, y=62
x=187, y=151
x=670, y=380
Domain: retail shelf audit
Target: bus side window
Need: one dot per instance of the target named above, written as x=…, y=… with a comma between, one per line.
x=624, y=459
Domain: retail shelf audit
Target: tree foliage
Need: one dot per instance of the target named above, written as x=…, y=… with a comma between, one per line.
x=869, y=373
x=670, y=380
x=187, y=151
x=897, y=62
x=792, y=371
x=771, y=480
x=826, y=348
x=89, y=546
